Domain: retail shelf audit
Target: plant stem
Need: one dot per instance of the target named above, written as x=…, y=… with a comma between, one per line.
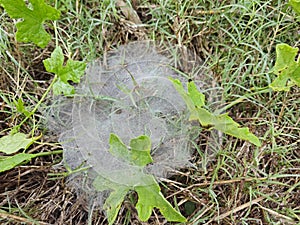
x=38, y=104
x=48, y=153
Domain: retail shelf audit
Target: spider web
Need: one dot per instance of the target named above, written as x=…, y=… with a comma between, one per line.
x=129, y=94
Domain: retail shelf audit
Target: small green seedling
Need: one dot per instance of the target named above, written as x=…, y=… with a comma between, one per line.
x=149, y=194
x=33, y=14
x=20, y=106
x=72, y=71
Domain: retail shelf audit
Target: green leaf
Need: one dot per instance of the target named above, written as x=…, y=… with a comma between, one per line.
x=7, y=163
x=185, y=95
x=72, y=71
x=296, y=5
x=205, y=117
x=149, y=194
x=113, y=203
x=197, y=97
x=286, y=68
x=118, y=148
x=150, y=197
x=139, y=153
x=227, y=125
x=31, y=28
x=10, y=162
x=140, y=150
x=14, y=142
x=195, y=100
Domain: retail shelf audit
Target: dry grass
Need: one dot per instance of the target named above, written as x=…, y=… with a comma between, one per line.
x=241, y=184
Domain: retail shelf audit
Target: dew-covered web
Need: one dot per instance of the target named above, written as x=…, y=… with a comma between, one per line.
x=128, y=94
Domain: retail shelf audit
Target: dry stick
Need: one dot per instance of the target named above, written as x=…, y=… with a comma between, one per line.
x=241, y=207
x=201, y=214
x=205, y=184
x=276, y=213
x=18, y=218
x=227, y=182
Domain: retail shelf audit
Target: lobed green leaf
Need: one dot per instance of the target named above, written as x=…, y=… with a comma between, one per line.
x=149, y=194
x=195, y=101
x=72, y=71
x=286, y=68
x=150, y=197
x=31, y=28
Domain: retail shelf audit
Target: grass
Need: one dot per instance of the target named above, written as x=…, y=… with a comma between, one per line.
x=241, y=184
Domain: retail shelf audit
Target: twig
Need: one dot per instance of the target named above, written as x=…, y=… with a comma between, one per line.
x=20, y=219
x=239, y=208
x=221, y=182
x=275, y=213
x=201, y=214
x=204, y=184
